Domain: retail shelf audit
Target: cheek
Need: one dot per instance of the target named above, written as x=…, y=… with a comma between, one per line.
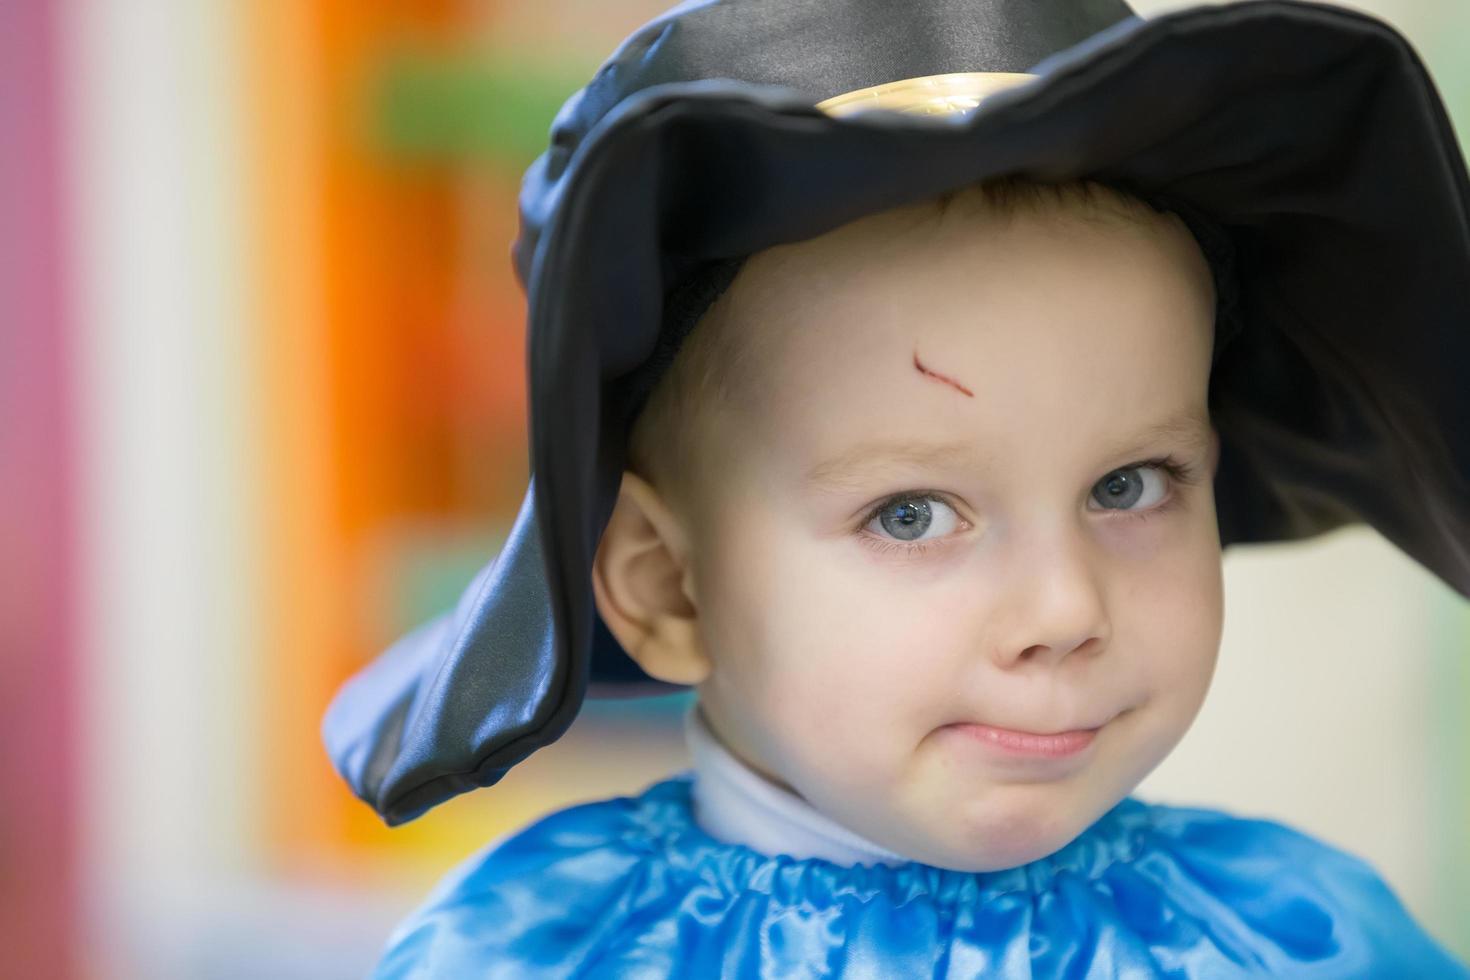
x=1173, y=617
x=822, y=643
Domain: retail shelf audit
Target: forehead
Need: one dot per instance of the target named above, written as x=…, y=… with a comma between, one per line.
x=995, y=328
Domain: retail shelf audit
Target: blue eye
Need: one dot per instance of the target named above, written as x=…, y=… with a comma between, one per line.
x=910, y=518
x=1125, y=488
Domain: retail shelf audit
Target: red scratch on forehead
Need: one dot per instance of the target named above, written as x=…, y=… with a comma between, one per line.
x=919, y=365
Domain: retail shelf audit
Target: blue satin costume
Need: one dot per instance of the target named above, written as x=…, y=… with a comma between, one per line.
x=632, y=887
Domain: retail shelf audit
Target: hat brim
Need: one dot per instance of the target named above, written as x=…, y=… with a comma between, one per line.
x=1311, y=133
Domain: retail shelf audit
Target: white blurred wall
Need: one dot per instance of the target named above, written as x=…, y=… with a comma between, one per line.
x=1338, y=707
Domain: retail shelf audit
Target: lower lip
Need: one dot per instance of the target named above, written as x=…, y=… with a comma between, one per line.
x=1058, y=746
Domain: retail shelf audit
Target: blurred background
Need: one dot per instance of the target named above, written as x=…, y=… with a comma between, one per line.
x=261, y=362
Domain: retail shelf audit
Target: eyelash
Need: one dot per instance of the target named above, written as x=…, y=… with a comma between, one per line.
x=887, y=545
x=1180, y=474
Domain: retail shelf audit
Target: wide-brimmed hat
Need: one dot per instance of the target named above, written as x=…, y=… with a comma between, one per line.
x=1310, y=134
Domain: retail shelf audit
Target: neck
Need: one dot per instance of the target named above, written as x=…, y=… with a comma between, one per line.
x=735, y=804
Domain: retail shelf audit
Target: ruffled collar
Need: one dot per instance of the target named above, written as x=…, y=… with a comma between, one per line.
x=661, y=824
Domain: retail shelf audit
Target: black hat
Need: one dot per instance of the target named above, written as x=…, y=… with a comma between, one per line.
x=1311, y=135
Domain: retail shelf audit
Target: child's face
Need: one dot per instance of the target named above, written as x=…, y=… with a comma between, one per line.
x=1005, y=376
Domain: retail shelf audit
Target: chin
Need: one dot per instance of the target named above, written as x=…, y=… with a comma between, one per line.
x=1012, y=826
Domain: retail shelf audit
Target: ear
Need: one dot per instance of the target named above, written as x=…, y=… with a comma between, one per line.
x=643, y=589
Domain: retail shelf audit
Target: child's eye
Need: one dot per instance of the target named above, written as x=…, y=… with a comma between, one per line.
x=1135, y=487
x=913, y=518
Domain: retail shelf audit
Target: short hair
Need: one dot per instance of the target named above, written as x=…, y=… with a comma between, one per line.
x=705, y=360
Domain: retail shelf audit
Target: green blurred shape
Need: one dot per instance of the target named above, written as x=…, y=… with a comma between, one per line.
x=490, y=106
x=426, y=565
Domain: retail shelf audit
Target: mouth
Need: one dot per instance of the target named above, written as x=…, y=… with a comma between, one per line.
x=1018, y=742
x=1052, y=745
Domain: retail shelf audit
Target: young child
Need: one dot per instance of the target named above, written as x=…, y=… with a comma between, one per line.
x=918, y=491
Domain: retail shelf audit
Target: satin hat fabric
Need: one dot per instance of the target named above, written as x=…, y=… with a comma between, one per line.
x=1311, y=134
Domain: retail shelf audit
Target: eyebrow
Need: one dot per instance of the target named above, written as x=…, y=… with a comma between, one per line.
x=848, y=469
x=1190, y=429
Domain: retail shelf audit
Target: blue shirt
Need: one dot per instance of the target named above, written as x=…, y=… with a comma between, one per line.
x=633, y=887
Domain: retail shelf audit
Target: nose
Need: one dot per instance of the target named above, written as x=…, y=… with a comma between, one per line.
x=1057, y=608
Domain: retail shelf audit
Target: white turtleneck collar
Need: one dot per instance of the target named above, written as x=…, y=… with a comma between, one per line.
x=735, y=804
